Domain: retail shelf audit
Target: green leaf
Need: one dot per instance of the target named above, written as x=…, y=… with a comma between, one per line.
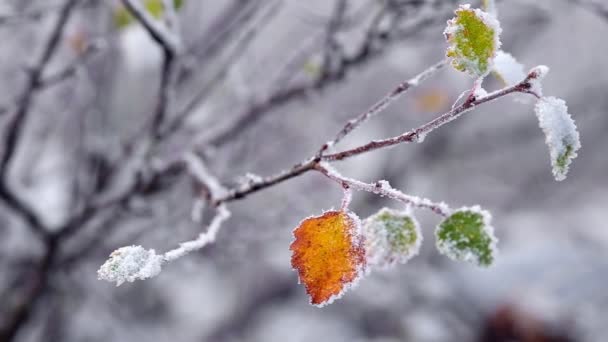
x=122, y=17
x=391, y=237
x=467, y=235
x=473, y=37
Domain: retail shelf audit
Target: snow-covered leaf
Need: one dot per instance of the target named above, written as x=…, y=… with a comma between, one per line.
x=329, y=254
x=391, y=237
x=561, y=134
x=129, y=264
x=473, y=37
x=507, y=69
x=467, y=235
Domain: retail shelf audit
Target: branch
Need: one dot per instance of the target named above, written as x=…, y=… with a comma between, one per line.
x=165, y=38
x=134, y=262
x=418, y=134
x=16, y=124
x=203, y=239
x=382, y=188
x=370, y=48
x=383, y=104
x=242, y=42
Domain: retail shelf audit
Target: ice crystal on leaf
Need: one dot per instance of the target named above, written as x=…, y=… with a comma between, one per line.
x=328, y=254
x=391, y=237
x=466, y=235
x=561, y=134
x=129, y=264
x=473, y=37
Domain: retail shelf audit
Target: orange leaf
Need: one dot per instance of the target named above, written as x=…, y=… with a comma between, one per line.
x=329, y=254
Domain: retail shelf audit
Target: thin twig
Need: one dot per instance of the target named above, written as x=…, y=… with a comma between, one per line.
x=16, y=123
x=382, y=188
x=419, y=133
x=416, y=134
x=161, y=34
x=379, y=106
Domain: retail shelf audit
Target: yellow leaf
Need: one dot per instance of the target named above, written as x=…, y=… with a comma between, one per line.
x=329, y=254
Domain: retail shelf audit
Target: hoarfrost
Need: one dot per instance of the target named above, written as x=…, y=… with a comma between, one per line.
x=535, y=77
x=391, y=237
x=561, y=134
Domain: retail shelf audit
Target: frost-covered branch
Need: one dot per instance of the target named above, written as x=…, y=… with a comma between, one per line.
x=131, y=263
x=383, y=188
x=529, y=85
x=379, y=106
x=203, y=239
x=418, y=134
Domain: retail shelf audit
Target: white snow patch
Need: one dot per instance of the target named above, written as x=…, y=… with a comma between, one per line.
x=129, y=264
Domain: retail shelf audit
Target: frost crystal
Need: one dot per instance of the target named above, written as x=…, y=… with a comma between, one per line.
x=129, y=264
x=467, y=235
x=508, y=69
x=561, y=134
x=391, y=237
x=535, y=77
x=480, y=92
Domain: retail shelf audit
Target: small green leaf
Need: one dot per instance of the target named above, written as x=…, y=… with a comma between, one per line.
x=391, y=237
x=122, y=17
x=473, y=37
x=467, y=235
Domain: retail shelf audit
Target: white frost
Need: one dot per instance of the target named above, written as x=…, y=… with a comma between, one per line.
x=129, y=264
x=535, y=77
x=561, y=134
x=508, y=69
x=381, y=251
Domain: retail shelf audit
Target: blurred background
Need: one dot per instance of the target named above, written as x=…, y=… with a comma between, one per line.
x=91, y=108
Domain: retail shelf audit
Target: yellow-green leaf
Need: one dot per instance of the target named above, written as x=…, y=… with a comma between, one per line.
x=473, y=37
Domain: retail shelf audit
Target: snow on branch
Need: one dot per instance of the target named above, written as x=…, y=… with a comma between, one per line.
x=383, y=188
x=131, y=263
